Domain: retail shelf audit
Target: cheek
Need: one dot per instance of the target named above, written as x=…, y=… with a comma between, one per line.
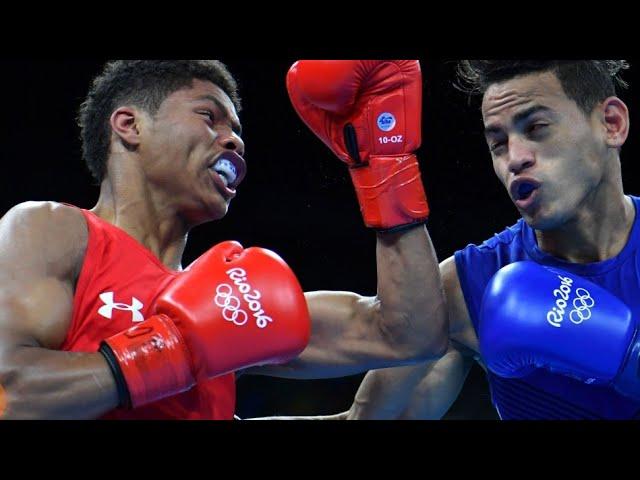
x=166, y=140
x=581, y=140
x=184, y=146
x=500, y=170
x=589, y=158
x=179, y=137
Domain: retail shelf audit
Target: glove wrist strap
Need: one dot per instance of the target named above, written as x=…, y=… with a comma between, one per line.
x=153, y=360
x=390, y=192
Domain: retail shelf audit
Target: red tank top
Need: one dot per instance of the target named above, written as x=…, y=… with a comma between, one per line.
x=118, y=282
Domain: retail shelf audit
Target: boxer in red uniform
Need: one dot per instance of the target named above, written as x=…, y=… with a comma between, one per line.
x=98, y=318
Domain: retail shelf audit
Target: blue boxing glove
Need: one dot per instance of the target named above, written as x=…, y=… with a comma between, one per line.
x=540, y=317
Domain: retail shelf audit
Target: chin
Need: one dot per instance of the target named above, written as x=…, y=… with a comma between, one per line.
x=210, y=213
x=216, y=207
x=217, y=213
x=542, y=221
x=536, y=223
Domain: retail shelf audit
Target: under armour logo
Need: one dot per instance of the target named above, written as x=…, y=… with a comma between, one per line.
x=109, y=306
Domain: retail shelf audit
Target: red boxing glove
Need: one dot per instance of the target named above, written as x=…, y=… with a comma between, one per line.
x=231, y=309
x=368, y=112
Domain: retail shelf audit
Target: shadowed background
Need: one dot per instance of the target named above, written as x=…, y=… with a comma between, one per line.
x=297, y=198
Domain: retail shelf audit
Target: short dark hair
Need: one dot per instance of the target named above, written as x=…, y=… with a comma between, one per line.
x=143, y=83
x=587, y=82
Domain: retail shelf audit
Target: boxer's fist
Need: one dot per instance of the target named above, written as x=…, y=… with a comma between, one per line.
x=231, y=309
x=368, y=112
x=541, y=317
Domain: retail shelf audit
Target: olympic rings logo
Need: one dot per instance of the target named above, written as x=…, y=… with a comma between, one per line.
x=582, y=305
x=230, y=305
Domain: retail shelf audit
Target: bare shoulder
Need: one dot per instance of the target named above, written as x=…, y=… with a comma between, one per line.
x=42, y=247
x=460, y=325
x=52, y=215
x=43, y=235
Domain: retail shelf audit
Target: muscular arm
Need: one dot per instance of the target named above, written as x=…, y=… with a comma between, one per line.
x=41, y=248
x=405, y=323
x=424, y=391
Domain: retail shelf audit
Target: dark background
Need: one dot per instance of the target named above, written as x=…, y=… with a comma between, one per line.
x=297, y=198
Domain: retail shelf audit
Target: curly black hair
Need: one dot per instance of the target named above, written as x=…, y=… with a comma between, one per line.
x=143, y=83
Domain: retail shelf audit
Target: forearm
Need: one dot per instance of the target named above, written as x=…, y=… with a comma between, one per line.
x=410, y=293
x=48, y=384
x=385, y=394
x=418, y=392
x=338, y=416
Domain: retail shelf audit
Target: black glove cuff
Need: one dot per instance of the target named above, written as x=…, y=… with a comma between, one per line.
x=402, y=228
x=121, y=384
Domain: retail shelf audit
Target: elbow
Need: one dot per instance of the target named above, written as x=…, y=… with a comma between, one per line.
x=427, y=349
x=420, y=338
x=20, y=403
x=3, y=403
x=435, y=348
x=9, y=393
x=434, y=331
x=18, y=398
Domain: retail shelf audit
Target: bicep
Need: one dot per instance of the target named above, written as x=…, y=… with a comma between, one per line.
x=37, y=261
x=345, y=325
x=347, y=335
x=346, y=339
x=37, y=309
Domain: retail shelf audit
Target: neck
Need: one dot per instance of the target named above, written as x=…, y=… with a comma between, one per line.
x=599, y=230
x=128, y=202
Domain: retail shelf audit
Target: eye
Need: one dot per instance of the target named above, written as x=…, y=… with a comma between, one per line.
x=209, y=114
x=495, y=146
x=537, y=127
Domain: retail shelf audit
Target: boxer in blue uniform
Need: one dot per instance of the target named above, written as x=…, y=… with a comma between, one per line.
x=549, y=306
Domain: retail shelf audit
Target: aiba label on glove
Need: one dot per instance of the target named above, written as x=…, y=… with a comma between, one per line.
x=386, y=122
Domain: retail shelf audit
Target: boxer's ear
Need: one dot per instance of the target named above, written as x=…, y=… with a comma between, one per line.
x=126, y=123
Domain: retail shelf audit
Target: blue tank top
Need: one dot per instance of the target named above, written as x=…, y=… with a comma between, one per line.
x=544, y=395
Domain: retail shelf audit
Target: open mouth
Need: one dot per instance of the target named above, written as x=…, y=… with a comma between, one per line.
x=525, y=190
x=230, y=168
x=227, y=171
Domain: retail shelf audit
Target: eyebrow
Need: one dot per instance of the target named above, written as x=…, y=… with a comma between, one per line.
x=520, y=117
x=235, y=126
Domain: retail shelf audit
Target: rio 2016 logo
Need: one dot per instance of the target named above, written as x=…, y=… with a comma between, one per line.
x=231, y=304
x=582, y=304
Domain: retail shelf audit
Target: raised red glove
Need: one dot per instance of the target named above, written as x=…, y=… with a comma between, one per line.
x=368, y=112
